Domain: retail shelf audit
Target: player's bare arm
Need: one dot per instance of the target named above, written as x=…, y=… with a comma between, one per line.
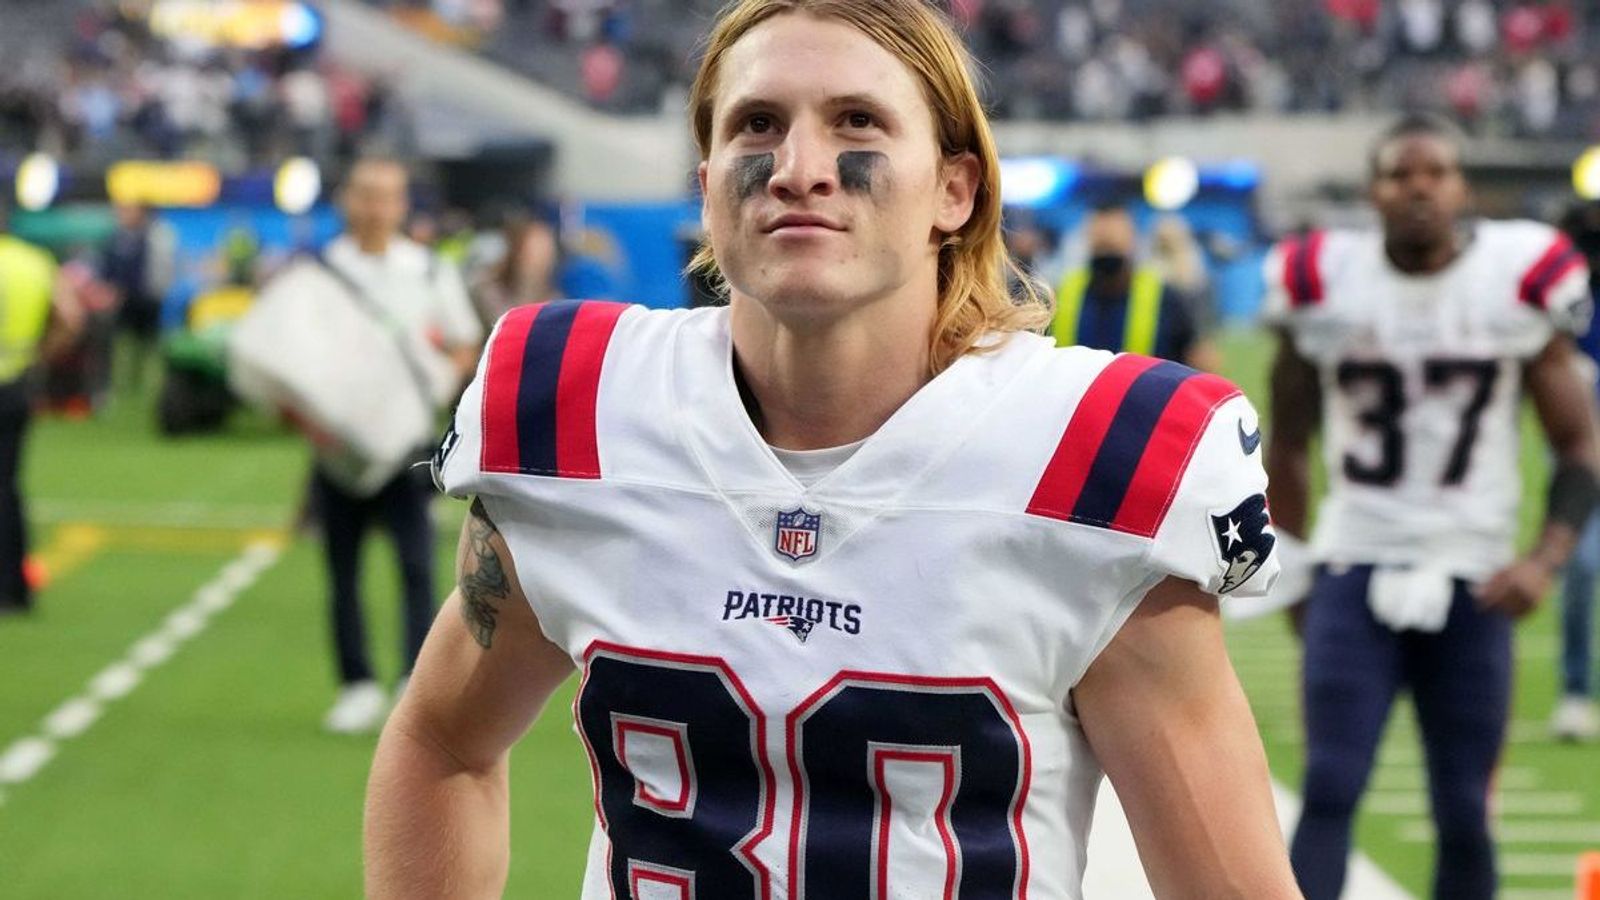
x=1296, y=411
x=1565, y=404
x=485, y=590
x=437, y=816
x=1171, y=727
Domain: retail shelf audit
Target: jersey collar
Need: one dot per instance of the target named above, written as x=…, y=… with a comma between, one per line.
x=734, y=457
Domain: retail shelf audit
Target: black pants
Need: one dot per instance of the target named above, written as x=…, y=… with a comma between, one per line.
x=402, y=505
x=14, y=414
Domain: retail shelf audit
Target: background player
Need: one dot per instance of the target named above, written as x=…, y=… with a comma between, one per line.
x=1416, y=344
x=939, y=599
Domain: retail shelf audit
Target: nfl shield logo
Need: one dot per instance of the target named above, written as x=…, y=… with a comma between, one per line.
x=797, y=534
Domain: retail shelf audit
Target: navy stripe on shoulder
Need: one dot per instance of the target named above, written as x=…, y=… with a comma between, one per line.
x=1125, y=442
x=536, y=394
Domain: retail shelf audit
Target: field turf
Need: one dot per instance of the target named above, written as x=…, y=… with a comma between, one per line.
x=211, y=777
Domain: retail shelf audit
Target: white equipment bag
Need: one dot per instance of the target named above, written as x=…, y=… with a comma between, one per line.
x=314, y=345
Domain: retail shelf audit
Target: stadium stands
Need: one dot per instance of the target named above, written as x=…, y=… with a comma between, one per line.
x=1501, y=67
x=92, y=83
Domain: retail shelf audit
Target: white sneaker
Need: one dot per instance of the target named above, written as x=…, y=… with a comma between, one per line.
x=360, y=709
x=1575, y=719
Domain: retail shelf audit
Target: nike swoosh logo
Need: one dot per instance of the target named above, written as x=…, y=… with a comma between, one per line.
x=1249, y=442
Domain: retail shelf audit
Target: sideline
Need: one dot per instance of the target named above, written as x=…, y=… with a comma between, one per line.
x=27, y=756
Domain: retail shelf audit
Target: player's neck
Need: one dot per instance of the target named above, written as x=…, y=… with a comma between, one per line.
x=1419, y=259
x=833, y=384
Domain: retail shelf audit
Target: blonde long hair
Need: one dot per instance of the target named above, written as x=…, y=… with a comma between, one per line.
x=975, y=268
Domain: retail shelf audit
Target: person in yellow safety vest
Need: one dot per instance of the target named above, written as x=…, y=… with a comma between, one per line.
x=39, y=317
x=1115, y=304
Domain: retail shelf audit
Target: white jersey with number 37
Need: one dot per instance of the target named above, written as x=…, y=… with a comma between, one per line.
x=1421, y=382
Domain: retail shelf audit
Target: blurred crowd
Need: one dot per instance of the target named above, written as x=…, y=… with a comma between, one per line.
x=104, y=87
x=1497, y=65
x=1515, y=67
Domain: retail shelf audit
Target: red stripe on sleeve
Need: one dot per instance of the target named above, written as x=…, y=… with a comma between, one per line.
x=1292, y=249
x=1302, y=274
x=1064, y=477
x=501, y=382
x=1166, y=457
x=1538, y=275
x=1563, y=269
x=578, y=389
x=1313, y=267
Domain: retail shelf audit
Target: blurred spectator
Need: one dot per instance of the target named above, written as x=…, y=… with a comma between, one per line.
x=1205, y=77
x=306, y=104
x=417, y=293
x=1421, y=25
x=525, y=274
x=602, y=73
x=1177, y=257
x=1524, y=27
x=1117, y=303
x=1575, y=717
x=1538, y=95
x=38, y=317
x=140, y=264
x=1475, y=27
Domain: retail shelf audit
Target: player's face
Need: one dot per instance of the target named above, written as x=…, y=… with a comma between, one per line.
x=1418, y=189
x=824, y=187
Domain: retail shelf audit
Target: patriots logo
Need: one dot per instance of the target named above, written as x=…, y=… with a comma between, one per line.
x=799, y=626
x=1243, y=541
x=798, y=533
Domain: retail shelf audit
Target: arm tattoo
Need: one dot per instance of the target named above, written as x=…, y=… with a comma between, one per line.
x=483, y=579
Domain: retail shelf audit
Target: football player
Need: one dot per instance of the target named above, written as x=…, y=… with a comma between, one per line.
x=1417, y=344
x=866, y=586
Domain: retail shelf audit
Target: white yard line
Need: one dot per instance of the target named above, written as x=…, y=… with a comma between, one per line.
x=1414, y=776
x=28, y=755
x=1562, y=865
x=1507, y=803
x=1545, y=834
x=1114, y=871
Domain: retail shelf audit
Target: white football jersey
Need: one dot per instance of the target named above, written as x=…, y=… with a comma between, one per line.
x=860, y=688
x=1421, y=383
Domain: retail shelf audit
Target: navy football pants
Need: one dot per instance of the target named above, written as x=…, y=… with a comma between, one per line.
x=1460, y=680
x=402, y=505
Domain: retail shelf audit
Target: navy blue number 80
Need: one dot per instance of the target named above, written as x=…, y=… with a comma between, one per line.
x=840, y=743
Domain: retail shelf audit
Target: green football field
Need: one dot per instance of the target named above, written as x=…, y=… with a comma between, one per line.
x=159, y=714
